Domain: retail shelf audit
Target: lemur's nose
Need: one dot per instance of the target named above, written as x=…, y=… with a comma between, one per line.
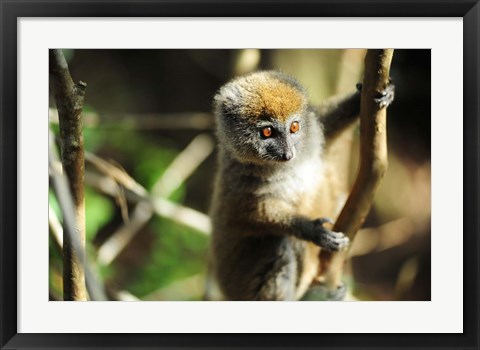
x=288, y=155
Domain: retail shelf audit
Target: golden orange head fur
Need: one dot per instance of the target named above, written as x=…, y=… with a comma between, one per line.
x=262, y=94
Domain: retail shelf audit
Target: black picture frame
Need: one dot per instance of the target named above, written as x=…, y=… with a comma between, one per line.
x=12, y=10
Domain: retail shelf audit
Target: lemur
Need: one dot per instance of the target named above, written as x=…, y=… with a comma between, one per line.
x=266, y=210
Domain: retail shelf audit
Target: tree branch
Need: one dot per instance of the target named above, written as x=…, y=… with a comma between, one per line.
x=373, y=161
x=69, y=99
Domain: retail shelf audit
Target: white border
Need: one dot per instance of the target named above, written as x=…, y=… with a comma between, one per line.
x=443, y=314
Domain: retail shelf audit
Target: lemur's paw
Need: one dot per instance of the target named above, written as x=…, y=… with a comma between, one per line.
x=386, y=97
x=328, y=239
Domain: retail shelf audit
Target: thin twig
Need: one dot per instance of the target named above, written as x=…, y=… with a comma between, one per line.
x=119, y=175
x=178, y=171
x=183, y=215
x=55, y=228
x=123, y=295
x=373, y=160
x=62, y=190
x=387, y=236
x=406, y=277
x=183, y=166
x=120, y=239
x=161, y=206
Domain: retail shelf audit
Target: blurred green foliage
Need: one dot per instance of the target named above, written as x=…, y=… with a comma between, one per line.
x=99, y=211
x=175, y=251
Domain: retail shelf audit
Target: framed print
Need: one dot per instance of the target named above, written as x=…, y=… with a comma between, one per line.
x=162, y=173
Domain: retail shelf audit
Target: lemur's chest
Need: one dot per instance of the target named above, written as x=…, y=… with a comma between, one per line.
x=298, y=186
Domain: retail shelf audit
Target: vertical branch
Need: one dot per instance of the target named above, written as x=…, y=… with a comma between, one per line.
x=373, y=160
x=69, y=99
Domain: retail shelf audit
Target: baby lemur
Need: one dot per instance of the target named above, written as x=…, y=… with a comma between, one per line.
x=267, y=230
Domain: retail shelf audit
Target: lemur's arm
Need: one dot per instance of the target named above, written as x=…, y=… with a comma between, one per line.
x=336, y=113
x=277, y=218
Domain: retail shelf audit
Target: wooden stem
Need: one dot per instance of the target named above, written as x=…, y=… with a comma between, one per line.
x=373, y=160
x=69, y=99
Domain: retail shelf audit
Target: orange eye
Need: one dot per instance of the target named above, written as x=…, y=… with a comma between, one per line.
x=294, y=127
x=267, y=132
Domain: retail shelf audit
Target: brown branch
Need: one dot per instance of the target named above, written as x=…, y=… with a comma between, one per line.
x=69, y=99
x=373, y=161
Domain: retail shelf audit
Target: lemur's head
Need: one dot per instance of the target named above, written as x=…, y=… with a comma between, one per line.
x=262, y=117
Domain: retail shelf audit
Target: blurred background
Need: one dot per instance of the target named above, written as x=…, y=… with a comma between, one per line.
x=150, y=164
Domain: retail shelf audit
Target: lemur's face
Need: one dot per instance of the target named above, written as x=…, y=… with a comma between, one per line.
x=262, y=117
x=276, y=140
